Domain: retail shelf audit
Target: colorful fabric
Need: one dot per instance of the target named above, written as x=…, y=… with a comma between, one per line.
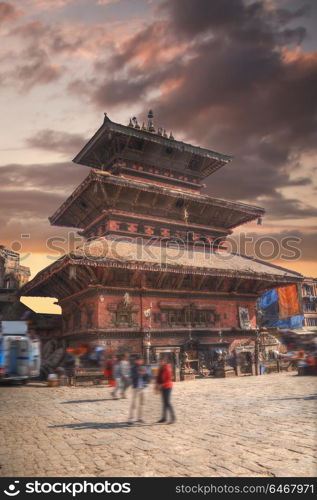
x=270, y=315
x=288, y=301
x=268, y=298
x=292, y=323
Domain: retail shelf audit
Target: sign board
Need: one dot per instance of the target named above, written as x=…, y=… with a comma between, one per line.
x=14, y=327
x=244, y=318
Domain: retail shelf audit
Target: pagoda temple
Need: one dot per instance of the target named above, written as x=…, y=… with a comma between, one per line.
x=153, y=274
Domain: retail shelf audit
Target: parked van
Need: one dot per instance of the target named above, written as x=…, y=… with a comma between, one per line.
x=19, y=353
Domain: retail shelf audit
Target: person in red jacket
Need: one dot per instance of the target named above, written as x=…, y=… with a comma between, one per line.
x=164, y=384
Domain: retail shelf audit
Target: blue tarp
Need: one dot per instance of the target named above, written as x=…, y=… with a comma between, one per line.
x=270, y=315
x=293, y=322
x=270, y=310
x=269, y=298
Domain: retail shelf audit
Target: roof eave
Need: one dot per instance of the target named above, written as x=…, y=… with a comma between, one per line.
x=109, y=125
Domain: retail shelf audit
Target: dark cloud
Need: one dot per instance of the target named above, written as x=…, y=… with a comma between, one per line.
x=8, y=12
x=38, y=70
x=55, y=39
x=44, y=47
x=53, y=140
x=277, y=244
x=229, y=79
x=226, y=74
x=29, y=194
x=280, y=207
x=50, y=177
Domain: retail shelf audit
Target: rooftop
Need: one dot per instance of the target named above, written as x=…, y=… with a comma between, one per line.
x=113, y=142
x=125, y=253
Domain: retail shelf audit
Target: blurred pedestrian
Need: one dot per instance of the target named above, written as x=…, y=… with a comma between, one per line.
x=109, y=371
x=140, y=378
x=117, y=375
x=70, y=368
x=164, y=384
x=125, y=374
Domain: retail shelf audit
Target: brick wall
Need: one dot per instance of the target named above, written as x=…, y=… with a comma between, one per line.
x=104, y=306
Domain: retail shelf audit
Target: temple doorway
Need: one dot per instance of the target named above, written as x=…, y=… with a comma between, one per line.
x=245, y=361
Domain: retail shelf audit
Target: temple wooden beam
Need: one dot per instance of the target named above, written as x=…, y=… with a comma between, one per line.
x=116, y=196
x=258, y=285
x=179, y=281
x=60, y=282
x=136, y=198
x=237, y=282
x=218, y=282
x=58, y=289
x=93, y=276
x=136, y=278
x=201, y=281
x=160, y=279
x=154, y=201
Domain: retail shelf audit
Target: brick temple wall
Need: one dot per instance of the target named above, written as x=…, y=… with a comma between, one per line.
x=99, y=315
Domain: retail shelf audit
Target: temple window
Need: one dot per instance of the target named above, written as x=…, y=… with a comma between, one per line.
x=157, y=317
x=123, y=317
x=123, y=226
x=188, y=316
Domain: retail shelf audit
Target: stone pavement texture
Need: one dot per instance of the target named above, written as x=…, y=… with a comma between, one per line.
x=248, y=426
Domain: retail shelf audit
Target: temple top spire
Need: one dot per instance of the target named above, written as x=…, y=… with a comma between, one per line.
x=150, y=125
x=150, y=154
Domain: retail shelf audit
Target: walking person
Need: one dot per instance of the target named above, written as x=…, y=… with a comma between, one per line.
x=117, y=375
x=109, y=371
x=125, y=375
x=70, y=368
x=164, y=384
x=140, y=378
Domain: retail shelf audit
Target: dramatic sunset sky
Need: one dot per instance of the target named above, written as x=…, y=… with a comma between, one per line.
x=239, y=77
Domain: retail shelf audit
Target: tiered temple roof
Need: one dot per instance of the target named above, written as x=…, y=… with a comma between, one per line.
x=114, y=143
x=132, y=257
x=103, y=191
x=142, y=174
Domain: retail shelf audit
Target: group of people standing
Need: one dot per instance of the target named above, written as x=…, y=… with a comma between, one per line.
x=122, y=375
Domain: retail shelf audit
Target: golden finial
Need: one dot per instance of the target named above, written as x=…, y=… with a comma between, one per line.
x=135, y=122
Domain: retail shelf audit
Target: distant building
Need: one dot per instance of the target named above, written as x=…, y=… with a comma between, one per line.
x=12, y=277
x=309, y=301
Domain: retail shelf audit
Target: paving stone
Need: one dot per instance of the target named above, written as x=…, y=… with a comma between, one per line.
x=248, y=426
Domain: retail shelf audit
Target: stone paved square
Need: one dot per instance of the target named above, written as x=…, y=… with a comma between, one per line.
x=248, y=426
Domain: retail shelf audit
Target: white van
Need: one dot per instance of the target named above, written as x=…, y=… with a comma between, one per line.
x=19, y=353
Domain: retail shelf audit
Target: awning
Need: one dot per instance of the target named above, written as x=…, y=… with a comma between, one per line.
x=302, y=331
